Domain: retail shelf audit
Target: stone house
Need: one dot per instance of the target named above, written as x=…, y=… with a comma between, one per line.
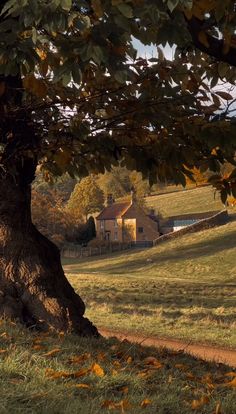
x=125, y=221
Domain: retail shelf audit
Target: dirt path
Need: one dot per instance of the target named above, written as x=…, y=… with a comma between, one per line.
x=208, y=353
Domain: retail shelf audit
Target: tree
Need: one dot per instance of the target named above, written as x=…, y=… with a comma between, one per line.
x=51, y=218
x=75, y=98
x=86, y=198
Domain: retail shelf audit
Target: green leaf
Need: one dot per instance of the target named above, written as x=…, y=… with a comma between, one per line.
x=125, y=9
x=171, y=4
x=66, y=4
x=223, y=68
x=223, y=196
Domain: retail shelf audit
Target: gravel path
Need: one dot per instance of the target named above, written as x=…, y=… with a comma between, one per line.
x=208, y=353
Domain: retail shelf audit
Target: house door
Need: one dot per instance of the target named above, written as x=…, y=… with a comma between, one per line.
x=107, y=235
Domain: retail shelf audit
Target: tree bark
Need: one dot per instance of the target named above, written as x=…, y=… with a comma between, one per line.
x=33, y=287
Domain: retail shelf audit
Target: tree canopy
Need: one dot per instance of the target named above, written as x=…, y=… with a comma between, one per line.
x=75, y=98
x=86, y=198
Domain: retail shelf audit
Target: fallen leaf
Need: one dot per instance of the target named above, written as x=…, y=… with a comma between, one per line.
x=80, y=373
x=38, y=347
x=97, y=370
x=117, y=364
x=230, y=374
x=101, y=356
x=77, y=359
x=231, y=383
x=108, y=404
x=3, y=351
x=153, y=362
x=82, y=385
x=182, y=367
x=190, y=376
x=218, y=408
x=111, y=405
x=125, y=390
x=50, y=373
x=145, y=403
x=52, y=352
x=199, y=403
x=129, y=360
x=144, y=374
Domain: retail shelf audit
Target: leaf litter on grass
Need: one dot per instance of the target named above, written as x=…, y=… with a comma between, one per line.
x=109, y=375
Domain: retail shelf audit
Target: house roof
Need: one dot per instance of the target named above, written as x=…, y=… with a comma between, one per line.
x=113, y=211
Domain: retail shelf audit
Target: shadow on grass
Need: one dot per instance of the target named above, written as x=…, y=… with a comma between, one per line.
x=165, y=296
x=132, y=263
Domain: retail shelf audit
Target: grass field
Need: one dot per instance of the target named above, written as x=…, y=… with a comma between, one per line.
x=55, y=374
x=185, y=288
x=187, y=201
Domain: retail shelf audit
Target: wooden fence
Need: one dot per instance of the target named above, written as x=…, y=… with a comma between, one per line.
x=79, y=252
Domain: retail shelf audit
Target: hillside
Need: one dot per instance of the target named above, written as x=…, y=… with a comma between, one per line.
x=195, y=200
x=185, y=288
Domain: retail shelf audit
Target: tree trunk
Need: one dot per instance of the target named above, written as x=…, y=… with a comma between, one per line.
x=33, y=287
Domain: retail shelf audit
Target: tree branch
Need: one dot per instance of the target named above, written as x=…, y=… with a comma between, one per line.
x=216, y=46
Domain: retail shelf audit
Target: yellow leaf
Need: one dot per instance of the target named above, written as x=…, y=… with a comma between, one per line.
x=82, y=385
x=129, y=360
x=41, y=53
x=97, y=370
x=50, y=373
x=52, y=352
x=231, y=383
x=199, y=403
x=145, y=403
x=230, y=374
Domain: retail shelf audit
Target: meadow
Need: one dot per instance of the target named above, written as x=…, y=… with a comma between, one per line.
x=183, y=289
x=56, y=374
x=191, y=200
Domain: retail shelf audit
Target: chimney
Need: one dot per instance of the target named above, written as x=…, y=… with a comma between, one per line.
x=110, y=199
x=133, y=195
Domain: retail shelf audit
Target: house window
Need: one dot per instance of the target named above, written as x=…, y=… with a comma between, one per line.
x=116, y=235
x=102, y=224
x=115, y=223
x=140, y=229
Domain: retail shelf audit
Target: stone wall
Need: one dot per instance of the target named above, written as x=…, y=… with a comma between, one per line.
x=216, y=220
